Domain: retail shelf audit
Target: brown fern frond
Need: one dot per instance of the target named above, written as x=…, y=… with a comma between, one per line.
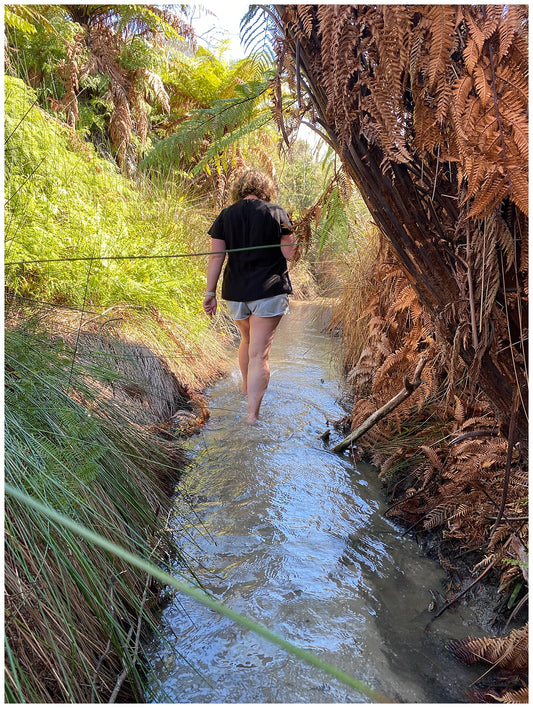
x=510, y=575
x=459, y=411
x=492, y=21
x=405, y=299
x=432, y=456
x=507, y=31
x=460, y=512
x=438, y=516
x=510, y=652
x=364, y=407
x=476, y=421
x=441, y=25
x=393, y=368
x=520, y=695
x=482, y=83
x=495, y=450
x=120, y=124
x=501, y=535
x=483, y=563
x=305, y=17
x=474, y=21
x=70, y=70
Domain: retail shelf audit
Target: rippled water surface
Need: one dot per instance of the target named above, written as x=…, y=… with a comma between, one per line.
x=294, y=536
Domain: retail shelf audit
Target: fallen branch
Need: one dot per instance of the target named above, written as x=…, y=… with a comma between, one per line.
x=465, y=590
x=409, y=387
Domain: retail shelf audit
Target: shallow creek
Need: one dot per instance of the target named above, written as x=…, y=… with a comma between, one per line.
x=295, y=537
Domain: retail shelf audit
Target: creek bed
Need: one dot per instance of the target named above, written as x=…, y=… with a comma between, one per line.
x=294, y=536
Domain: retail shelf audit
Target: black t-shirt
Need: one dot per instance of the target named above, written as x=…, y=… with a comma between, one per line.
x=259, y=273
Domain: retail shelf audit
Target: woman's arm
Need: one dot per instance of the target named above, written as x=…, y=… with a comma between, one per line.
x=214, y=267
x=289, y=246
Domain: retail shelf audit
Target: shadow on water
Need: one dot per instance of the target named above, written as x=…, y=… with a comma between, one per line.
x=294, y=536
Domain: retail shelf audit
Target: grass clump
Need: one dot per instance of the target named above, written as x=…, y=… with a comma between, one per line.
x=72, y=609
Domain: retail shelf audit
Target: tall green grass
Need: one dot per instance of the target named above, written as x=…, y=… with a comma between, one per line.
x=198, y=595
x=72, y=608
x=71, y=441
x=63, y=201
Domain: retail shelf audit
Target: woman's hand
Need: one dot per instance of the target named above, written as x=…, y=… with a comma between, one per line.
x=210, y=305
x=214, y=266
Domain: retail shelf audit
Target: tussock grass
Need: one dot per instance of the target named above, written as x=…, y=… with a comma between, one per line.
x=72, y=609
x=158, y=365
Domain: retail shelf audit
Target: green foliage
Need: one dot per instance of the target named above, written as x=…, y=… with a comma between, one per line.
x=334, y=223
x=205, y=77
x=15, y=19
x=213, y=104
x=67, y=445
x=58, y=47
x=137, y=53
x=66, y=203
x=301, y=179
x=143, y=18
x=27, y=19
x=37, y=55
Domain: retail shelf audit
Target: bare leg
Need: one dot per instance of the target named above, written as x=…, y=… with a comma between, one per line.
x=261, y=335
x=244, y=329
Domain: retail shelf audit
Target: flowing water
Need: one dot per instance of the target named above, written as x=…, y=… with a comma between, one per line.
x=295, y=537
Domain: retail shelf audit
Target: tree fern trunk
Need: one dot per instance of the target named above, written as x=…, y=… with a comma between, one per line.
x=415, y=204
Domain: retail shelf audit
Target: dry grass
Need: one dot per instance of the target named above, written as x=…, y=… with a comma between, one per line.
x=357, y=275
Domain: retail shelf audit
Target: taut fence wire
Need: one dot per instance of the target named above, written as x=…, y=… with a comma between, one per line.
x=70, y=259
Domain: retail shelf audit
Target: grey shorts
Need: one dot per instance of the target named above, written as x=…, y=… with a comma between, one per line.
x=266, y=307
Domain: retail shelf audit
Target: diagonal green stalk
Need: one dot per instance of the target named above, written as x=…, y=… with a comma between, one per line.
x=196, y=594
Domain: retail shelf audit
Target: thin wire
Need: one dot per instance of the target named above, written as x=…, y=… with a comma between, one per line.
x=81, y=321
x=121, y=258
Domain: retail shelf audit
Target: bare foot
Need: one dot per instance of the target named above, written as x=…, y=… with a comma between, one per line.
x=252, y=420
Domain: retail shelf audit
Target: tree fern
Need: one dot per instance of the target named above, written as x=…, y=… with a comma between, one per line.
x=236, y=116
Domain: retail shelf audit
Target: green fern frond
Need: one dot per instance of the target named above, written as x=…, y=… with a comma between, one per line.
x=16, y=20
x=233, y=137
x=27, y=19
x=231, y=116
x=258, y=28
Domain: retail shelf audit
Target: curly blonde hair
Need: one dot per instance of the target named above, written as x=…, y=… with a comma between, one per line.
x=256, y=183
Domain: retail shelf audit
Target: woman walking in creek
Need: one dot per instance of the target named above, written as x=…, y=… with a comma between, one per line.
x=255, y=282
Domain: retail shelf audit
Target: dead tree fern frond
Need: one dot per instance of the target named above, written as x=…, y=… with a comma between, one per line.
x=509, y=652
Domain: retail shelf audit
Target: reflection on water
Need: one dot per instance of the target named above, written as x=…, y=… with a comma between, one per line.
x=294, y=537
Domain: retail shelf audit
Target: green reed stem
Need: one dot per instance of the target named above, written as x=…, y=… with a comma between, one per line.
x=196, y=594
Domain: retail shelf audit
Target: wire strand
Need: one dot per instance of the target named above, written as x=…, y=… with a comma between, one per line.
x=121, y=258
